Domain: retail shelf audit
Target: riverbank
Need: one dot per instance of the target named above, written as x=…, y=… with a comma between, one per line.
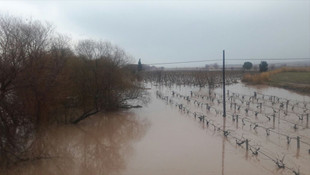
x=296, y=79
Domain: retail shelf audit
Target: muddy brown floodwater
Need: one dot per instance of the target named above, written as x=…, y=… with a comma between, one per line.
x=156, y=139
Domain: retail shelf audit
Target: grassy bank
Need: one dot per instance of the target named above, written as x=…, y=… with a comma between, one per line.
x=297, y=79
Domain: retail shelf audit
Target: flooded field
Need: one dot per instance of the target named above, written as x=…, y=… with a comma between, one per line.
x=182, y=131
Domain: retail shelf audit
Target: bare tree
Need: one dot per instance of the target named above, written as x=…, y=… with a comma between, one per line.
x=215, y=66
x=42, y=80
x=29, y=68
x=107, y=84
x=91, y=49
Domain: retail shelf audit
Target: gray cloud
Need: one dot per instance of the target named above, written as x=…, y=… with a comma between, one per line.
x=158, y=31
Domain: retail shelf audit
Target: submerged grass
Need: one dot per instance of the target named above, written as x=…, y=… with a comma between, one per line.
x=297, y=79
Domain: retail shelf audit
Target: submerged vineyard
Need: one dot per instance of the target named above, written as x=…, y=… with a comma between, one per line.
x=269, y=127
x=199, y=78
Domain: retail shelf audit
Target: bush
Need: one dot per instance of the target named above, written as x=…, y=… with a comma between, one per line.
x=256, y=78
x=247, y=65
x=263, y=66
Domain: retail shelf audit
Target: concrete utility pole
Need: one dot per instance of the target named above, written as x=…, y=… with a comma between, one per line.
x=224, y=115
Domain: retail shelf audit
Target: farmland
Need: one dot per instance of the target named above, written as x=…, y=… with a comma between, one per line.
x=296, y=79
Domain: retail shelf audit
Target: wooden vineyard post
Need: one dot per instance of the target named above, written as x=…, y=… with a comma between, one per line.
x=307, y=120
x=298, y=142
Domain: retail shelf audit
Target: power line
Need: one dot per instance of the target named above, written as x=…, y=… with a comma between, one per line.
x=198, y=61
x=232, y=59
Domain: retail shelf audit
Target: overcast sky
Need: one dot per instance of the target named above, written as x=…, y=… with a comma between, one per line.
x=169, y=31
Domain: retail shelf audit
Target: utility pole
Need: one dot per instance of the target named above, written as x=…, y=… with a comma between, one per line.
x=224, y=114
x=224, y=93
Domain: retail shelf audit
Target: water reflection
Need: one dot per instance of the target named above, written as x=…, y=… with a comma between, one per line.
x=223, y=146
x=98, y=145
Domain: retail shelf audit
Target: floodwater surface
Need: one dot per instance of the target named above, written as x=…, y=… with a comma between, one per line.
x=158, y=139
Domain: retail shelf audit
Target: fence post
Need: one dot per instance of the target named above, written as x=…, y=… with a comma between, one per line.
x=247, y=144
x=287, y=104
x=274, y=120
x=307, y=120
x=298, y=142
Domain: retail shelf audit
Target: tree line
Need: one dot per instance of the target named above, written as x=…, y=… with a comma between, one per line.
x=44, y=80
x=263, y=66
